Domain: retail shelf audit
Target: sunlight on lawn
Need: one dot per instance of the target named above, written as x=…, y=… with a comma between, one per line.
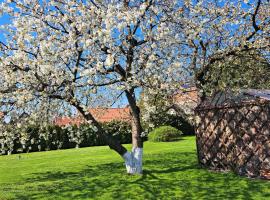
x=170, y=172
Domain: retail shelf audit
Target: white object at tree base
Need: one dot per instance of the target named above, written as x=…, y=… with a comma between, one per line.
x=133, y=160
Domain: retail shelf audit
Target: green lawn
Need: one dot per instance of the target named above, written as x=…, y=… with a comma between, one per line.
x=170, y=172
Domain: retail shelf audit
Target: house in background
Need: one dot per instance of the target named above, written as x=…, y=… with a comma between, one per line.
x=102, y=115
x=184, y=103
x=187, y=98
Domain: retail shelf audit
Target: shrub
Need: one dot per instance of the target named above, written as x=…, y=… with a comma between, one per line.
x=164, y=134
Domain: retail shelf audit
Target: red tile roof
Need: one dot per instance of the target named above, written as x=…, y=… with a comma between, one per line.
x=110, y=114
x=100, y=114
x=63, y=121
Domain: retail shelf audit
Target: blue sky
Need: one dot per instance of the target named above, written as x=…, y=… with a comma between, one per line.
x=3, y=20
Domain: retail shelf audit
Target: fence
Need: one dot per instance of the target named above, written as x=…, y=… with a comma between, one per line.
x=235, y=138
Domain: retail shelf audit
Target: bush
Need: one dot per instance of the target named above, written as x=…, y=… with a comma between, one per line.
x=164, y=134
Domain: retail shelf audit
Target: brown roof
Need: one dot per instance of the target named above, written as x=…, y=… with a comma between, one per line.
x=100, y=114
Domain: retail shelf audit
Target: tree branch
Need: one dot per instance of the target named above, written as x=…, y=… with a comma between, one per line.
x=254, y=24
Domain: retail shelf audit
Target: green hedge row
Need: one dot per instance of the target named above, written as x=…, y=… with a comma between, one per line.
x=33, y=138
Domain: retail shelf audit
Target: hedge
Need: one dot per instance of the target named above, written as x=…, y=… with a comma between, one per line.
x=34, y=138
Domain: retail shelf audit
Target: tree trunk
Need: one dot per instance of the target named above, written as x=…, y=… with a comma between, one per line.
x=133, y=159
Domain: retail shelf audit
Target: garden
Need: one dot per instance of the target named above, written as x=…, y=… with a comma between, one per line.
x=171, y=171
x=134, y=99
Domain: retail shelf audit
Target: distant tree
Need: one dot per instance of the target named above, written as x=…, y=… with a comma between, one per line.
x=246, y=70
x=160, y=109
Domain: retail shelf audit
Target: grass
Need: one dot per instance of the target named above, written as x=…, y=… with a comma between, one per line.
x=170, y=172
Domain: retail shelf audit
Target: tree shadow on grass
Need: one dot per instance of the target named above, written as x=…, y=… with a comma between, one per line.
x=166, y=176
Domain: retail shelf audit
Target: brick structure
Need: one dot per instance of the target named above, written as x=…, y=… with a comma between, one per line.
x=233, y=133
